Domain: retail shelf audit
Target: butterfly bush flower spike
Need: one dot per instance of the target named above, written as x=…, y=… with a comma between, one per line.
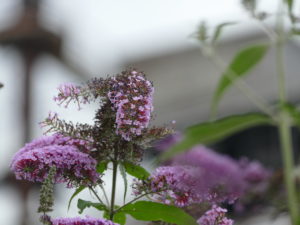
x=215, y=216
x=81, y=221
x=131, y=97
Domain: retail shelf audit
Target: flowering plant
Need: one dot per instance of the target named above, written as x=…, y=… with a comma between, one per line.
x=80, y=154
x=283, y=115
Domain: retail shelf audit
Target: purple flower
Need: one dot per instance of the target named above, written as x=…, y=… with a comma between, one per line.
x=33, y=161
x=220, y=177
x=171, y=185
x=168, y=141
x=131, y=97
x=255, y=175
x=215, y=216
x=81, y=221
x=69, y=92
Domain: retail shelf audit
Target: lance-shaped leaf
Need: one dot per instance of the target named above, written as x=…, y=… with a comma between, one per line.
x=242, y=63
x=210, y=132
x=123, y=173
x=82, y=205
x=153, y=211
x=218, y=31
x=136, y=171
x=77, y=191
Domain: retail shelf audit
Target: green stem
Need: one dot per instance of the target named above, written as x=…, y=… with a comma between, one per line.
x=97, y=196
x=113, y=192
x=104, y=193
x=288, y=163
x=284, y=125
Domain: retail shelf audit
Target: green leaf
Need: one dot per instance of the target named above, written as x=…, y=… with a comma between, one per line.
x=106, y=215
x=120, y=218
x=242, y=63
x=82, y=205
x=152, y=211
x=202, y=32
x=218, y=31
x=136, y=171
x=293, y=112
x=290, y=4
x=101, y=167
x=210, y=132
x=77, y=191
x=123, y=173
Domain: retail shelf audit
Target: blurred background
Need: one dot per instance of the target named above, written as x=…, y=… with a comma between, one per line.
x=44, y=43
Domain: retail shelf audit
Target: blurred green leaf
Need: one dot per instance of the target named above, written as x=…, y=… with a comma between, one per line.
x=244, y=60
x=77, y=191
x=293, y=112
x=106, y=215
x=290, y=4
x=136, y=171
x=123, y=173
x=153, y=211
x=218, y=31
x=82, y=205
x=120, y=218
x=101, y=167
x=202, y=32
x=295, y=31
x=210, y=132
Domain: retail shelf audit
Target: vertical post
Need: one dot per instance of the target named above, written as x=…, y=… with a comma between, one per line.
x=26, y=128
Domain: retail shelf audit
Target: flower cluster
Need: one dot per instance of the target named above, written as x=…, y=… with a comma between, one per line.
x=131, y=96
x=225, y=178
x=255, y=175
x=34, y=160
x=69, y=92
x=168, y=141
x=81, y=221
x=215, y=216
x=224, y=181
x=171, y=185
